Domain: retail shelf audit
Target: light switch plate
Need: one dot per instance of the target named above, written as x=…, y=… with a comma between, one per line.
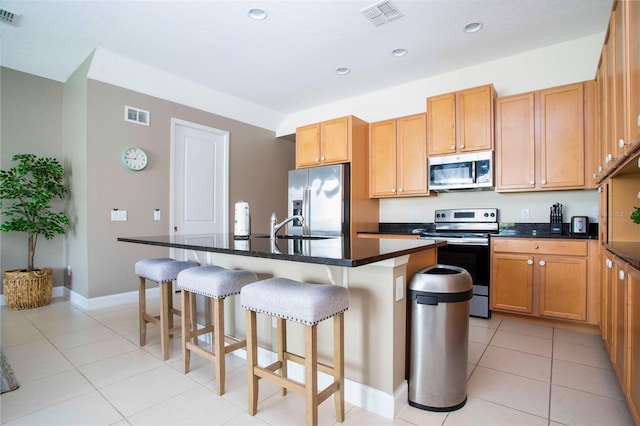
x=399, y=288
x=118, y=215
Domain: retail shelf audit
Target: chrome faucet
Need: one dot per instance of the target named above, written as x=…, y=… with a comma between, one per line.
x=275, y=226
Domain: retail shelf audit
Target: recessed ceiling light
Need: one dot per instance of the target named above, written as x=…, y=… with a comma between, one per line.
x=257, y=14
x=473, y=27
x=343, y=71
x=399, y=52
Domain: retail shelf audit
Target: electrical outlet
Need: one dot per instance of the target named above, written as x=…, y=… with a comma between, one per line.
x=157, y=215
x=399, y=288
x=524, y=213
x=118, y=215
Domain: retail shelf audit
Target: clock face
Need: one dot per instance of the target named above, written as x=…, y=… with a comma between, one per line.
x=134, y=158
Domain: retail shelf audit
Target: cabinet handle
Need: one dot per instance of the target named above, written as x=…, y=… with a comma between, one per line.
x=543, y=181
x=609, y=264
x=452, y=147
x=400, y=190
x=542, y=263
x=322, y=158
x=317, y=160
x=536, y=247
x=621, y=143
x=532, y=182
x=621, y=275
x=600, y=168
x=393, y=190
x=608, y=158
x=461, y=146
x=595, y=175
x=529, y=262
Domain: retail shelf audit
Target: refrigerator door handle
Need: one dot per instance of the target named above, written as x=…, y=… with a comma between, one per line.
x=306, y=209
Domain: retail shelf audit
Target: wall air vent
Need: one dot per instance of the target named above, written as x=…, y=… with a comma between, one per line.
x=381, y=13
x=136, y=115
x=7, y=17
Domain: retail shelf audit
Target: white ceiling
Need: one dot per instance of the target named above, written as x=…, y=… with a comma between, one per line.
x=287, y=62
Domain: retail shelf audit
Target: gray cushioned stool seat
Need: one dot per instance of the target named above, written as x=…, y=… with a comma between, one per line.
x=161, y=269
x=214, y=281
x=295, y=301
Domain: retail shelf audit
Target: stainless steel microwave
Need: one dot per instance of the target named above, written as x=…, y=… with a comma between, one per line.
x=464, y=171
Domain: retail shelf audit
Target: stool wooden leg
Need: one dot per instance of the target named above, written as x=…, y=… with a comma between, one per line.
x=186, y=328
x=142, y=310
x=252, y=361
x=170, y=306
x=311, y=373
x=165, y=293
x=338, y=364
x=218, y=342
x=282, y=348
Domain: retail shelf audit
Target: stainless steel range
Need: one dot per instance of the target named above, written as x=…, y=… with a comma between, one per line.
x=467, y=233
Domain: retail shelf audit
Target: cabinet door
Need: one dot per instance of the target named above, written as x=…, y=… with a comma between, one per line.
x=619, y=94
x=562, y=156
x=609, y=115
x=515, y=138
x=412, y=155
x=609, y=284
x=308, y=145
x=632, y=15
x=634, y=343
x=512, y=282
x=619, y=321
x=441, y=124
x=334, y=141
x=475, y=119
x=563, y=287
x=382, y=156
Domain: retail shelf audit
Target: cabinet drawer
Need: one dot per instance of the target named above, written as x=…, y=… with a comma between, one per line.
x=540, y=246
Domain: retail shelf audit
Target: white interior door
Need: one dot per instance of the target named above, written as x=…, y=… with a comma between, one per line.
x=200, y=181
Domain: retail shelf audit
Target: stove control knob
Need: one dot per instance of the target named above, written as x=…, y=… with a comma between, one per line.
x=486, y=215
x=493, y=215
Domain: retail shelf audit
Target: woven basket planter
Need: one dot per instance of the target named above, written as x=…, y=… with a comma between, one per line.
x=26, y=290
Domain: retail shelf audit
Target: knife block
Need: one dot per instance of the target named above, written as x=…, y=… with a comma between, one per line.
x=556, y=224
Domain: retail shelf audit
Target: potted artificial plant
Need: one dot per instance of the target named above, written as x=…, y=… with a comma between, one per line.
x=30, y=187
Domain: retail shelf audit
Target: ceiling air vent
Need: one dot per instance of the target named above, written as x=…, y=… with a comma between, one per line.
x=381, y=13
x=7, y=17
x=136, y=115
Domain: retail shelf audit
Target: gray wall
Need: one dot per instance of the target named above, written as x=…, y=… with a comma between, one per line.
x=258, y=165
x=31, y=122
x=36, y=112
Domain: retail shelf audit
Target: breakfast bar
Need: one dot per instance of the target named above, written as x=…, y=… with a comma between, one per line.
x=374, y=271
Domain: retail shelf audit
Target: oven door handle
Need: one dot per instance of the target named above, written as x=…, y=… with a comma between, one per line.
x=461, y=241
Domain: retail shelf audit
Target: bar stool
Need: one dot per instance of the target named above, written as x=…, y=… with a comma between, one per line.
x=308, y=304
x=163, y=271
x=215, y=283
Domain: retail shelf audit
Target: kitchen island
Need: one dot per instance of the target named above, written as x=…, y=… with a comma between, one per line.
x=374, y=271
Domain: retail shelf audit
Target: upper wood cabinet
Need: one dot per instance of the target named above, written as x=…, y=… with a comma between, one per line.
x=398, y=157
x=329, y=142
x=618, y=80
x=545, y=132
x=460, y=121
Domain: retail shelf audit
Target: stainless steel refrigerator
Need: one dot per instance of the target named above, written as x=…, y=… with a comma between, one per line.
x=321, y=195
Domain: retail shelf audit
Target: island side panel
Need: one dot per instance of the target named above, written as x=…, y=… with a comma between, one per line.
x=374, y=323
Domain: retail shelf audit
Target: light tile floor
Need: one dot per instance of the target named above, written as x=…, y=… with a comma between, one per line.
x=80, y=367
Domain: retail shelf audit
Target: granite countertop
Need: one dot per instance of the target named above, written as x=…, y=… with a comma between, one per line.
x=340, y=251
x=506, y=229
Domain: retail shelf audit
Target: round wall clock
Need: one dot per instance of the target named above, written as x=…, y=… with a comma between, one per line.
x=134, y=159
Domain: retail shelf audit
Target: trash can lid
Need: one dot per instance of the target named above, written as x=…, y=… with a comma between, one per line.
x=442, y=279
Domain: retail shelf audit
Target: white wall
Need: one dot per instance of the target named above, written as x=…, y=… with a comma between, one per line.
x=556, y=65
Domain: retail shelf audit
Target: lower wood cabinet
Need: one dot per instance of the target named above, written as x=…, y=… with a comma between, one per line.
x=633, y=389
x=544, y=277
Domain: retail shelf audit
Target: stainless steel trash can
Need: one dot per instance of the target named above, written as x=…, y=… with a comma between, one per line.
x=439, y=298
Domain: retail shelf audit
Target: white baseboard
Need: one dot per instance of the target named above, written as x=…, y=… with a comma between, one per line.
x=358, y=394
x=355, y=393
